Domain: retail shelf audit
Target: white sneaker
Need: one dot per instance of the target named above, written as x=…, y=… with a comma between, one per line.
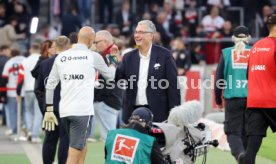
x=8, y=132
x=36, y=140
x=91, y=139
x=22, y=138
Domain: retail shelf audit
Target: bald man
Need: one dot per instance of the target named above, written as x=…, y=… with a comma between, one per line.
x=75, y=69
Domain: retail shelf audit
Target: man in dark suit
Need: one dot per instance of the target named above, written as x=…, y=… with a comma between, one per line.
x=51, y=137
x=125, y=19
x=151, y=76
x=166, y=36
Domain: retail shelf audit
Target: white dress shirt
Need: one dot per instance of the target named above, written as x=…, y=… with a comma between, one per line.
x=125, y=16
x=141, y=98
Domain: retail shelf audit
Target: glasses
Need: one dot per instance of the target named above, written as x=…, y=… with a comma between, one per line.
x=96, y=42
x=142, y=32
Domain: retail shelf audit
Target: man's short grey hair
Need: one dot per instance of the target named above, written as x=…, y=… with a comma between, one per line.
x=107, y=36
x=150, y=24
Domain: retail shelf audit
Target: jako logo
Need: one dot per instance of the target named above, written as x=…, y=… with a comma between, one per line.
x=73, y=77
x=124, y=148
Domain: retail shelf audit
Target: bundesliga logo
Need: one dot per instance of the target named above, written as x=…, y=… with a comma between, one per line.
x=240, y=60
x=124, y=148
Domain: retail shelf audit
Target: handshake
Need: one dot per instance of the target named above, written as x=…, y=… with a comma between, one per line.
x=49, y=120
x=112, y=59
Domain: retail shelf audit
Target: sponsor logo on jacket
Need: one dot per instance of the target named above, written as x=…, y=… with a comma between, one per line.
x=70, y=58
x=124, y=148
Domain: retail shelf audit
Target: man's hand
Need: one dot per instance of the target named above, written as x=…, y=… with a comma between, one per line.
x=115, y=52
x=112, y=60
x=180, y=71
x=18, y=98
x=49, y=120
x=220, y=107
x=3, y=100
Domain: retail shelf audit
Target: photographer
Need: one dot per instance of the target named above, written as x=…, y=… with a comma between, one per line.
x=133, y=144
x=181, y=56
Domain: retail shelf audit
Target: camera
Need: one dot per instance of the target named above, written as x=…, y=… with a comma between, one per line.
x=183, y=143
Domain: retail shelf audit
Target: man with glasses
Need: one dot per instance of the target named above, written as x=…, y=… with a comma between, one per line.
x=108, y=100
x=151, y=75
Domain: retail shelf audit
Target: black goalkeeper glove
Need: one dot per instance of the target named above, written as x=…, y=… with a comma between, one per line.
x=112, y=59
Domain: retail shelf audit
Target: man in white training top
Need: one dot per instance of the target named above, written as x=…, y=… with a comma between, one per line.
x=75, y=69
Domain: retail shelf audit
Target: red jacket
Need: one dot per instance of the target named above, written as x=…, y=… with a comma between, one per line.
x=262, y=74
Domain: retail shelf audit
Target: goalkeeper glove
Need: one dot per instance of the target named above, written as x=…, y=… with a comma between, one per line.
x=112, y=59
x=49, y=120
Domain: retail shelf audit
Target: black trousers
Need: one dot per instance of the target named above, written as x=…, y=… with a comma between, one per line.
x=50, y=145
x=258, y=120
x=234, y=125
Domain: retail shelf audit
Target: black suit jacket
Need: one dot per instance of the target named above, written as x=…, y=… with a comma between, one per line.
x=164, y=35
x=44, y=71
x=120, y=21
x=160, y=100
